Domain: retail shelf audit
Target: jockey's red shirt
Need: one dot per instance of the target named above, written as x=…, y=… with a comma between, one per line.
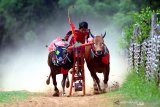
x=78, y=37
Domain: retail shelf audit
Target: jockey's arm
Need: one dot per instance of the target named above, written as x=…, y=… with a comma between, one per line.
x=68, y=35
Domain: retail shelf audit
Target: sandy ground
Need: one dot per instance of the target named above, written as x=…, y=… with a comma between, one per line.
x=48, y=101
x=90, y=100
x=76, y=100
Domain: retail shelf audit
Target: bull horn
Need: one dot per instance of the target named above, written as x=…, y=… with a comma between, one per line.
x=91, y=35
x=104, y=35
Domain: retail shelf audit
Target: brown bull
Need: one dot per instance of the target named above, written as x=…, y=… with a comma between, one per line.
x=98, y=61
x=59, y=61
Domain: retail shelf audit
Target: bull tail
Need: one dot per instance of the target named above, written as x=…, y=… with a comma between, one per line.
x=48, y=79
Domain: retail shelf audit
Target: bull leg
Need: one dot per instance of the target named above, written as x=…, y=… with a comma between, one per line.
x=67, y=82
x=63, y=83
x=95, y=85
x=106, y=77
x=56, y=93
x=95, y=77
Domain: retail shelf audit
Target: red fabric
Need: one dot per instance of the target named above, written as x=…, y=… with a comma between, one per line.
x=79, y=37
x=64, y=71
x=72, y=26
x=106, y=59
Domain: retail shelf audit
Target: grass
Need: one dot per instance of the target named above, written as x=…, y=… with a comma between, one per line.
x=12, y=96
x=137, y=90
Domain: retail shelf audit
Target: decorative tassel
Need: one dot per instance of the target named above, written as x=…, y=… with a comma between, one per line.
x=53, y=61
x=92, y=53
x=106, y=50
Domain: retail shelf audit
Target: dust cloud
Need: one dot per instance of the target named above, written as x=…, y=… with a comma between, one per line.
x=26, y=68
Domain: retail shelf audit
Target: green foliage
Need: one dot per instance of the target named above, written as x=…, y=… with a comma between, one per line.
x=142, y=20
x=123, y=7
x=138, y=88
x=100, y=6
x=22, y=16
x=126, y=36
x=122, y=19
x=82, y=8
x=116, y=12
x=10, y=96
x=158, y=15
x=65, y=3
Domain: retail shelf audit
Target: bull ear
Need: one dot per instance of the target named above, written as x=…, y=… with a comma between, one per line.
x=104, y=35
x=91, y=35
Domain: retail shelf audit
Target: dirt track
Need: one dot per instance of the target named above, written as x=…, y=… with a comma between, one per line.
x=75, y=101
x=47, y=100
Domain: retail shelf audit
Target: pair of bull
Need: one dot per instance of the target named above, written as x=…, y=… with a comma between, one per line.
x=97, y=58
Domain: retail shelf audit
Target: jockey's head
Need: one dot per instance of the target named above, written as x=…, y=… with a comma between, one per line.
x=83, y=27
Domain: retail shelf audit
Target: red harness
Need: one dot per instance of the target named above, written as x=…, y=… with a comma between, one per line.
x=64, y=71
x=105, y=58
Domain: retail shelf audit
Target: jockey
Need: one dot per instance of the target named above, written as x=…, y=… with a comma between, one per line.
x=81, y=35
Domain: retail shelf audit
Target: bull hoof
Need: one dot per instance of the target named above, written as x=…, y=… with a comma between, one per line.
x=63, y=94
x=56, y=94
x=95, y=87
x=104, y=91
x=96, y=92
x=47, y=81
x=67, y=84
